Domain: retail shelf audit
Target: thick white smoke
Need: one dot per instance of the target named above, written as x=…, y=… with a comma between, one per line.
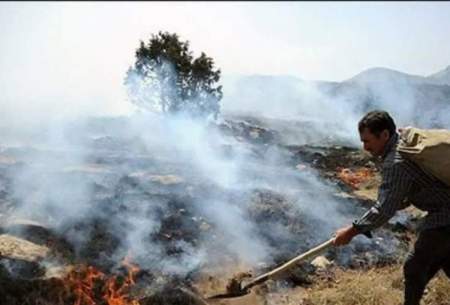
x=294, y=101
x=333, y=109
x=81, y=171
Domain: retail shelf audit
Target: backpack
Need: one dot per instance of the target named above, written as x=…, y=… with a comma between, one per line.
x=429, y=149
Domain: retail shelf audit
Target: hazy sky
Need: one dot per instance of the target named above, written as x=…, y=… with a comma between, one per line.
x=71, y=57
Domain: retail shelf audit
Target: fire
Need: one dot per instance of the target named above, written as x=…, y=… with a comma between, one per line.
x=81, y=283
x=91, y=286
x=116, y=295
x=354, y=178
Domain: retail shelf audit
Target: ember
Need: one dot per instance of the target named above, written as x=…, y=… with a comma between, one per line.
x=354, y=178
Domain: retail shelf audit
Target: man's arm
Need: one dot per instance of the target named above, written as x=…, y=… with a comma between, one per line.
x=345, y=235
x=394, y=188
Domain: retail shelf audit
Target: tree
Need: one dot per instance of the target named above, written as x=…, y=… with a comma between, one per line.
x=165, y=77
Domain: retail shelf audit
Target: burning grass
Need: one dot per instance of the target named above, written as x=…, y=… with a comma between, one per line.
x=82, y=285
x=173, y=203
x=91, y=286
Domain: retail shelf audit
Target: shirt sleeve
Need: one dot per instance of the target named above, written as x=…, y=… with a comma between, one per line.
x=396, y=183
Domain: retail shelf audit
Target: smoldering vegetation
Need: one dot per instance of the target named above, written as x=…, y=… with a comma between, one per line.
x=182, y=198
x=177, y=197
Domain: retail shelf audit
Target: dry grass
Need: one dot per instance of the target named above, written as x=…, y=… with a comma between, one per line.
x=378, y=286
x=382, y=286
x=438, y=292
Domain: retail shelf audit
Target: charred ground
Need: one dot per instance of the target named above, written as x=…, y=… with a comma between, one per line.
x=181, y=249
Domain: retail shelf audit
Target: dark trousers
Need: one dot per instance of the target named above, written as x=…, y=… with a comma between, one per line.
x=430, y=254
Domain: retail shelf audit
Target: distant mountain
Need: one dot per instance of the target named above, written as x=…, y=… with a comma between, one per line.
x=413, y=99
x=377, y=75
x=441, y=77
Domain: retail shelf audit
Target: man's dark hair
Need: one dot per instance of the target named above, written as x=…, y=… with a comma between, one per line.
x=377, y=121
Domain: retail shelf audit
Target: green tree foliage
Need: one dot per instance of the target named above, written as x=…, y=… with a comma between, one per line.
x=165, y=77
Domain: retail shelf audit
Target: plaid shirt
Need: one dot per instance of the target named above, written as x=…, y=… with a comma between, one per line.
x=404, y=183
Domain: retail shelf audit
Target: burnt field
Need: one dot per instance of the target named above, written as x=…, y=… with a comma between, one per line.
x=168, y=216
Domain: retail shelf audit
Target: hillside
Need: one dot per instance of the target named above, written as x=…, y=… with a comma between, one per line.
x=442, y=77
x=411, y=99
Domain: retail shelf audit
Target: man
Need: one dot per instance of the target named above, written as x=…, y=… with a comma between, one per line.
x=404, y=183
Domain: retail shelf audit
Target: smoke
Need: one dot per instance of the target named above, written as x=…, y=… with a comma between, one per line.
x=87, y=182
x=308, y=112
x=43, y=187
x=140, y=180
x=320, y=112
x=194, y=151
x=424, y=106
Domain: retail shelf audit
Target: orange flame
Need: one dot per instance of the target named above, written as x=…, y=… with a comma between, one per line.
x=81, y=282
x=117, y=295
x=84, y=281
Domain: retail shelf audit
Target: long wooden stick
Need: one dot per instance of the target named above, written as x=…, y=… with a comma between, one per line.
x=307, y=255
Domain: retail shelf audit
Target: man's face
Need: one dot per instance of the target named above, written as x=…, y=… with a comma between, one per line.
x=373, y=144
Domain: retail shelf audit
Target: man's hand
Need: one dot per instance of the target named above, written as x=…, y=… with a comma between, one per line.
x=344, y=236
